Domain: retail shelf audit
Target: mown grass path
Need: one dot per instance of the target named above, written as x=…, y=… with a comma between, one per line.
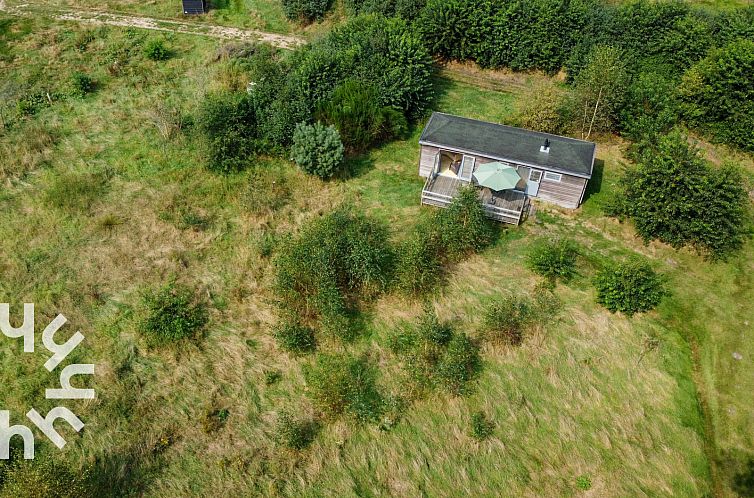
x=133, y=21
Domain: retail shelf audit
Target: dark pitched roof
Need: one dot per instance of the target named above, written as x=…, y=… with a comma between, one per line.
x=508, y=143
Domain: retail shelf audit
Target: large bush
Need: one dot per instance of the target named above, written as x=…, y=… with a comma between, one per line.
x=334, y=263
x=718, y=94
x=228, y=122
x=342, y=384
x=675, y=196
x=554, y=259
x=355, y=111
x=172, y=313
x=317, y=149
x=650, y=106
x=629, y=287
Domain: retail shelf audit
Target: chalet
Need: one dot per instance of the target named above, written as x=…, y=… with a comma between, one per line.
x=550, y=167
x=194, y=6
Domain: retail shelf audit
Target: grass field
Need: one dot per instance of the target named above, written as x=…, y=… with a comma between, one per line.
x=263, y=15
x=104, y=197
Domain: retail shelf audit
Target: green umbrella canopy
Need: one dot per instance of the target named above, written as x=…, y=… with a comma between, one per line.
x=497, y=176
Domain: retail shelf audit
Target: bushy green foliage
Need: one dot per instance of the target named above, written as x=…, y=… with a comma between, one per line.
x=463, y=226
x=172, y=313
x=228, y=122
x=718, y=94
x=306, y=10
x=295, y=338
x=419, y=265
x=481, y=426
x=554, y=259
x=629, y=287
x=506, y=319
x=436, y=356
x=386, y=53
x=584, y=483
x=446, y=237
x=355, y=111
x=334, y=263
x=459, y=365
x=405, y=9
x=650, y=106
x=317, y=149
x=156, y=50
x=599, y=90
x=81, y=84
x=545, y=110
x=295, y=433
x=675, y=196
x=342, y=384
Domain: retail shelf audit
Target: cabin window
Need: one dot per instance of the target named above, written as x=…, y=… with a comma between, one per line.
x=553, y=177
x=535, y=176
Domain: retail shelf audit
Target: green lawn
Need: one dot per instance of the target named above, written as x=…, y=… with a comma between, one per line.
x=98, y=205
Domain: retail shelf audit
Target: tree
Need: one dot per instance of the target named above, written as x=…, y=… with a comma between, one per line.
x=717, y=94
x=650, y=107
x=675, y=196
x=317, y=149
x=600, y=88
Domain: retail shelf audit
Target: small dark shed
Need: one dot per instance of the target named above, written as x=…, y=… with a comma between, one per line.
x=194, y=6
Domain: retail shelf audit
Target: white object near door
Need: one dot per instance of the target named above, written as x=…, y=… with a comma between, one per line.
x=532, y=185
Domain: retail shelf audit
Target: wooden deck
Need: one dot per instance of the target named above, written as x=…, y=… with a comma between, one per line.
x=507, y=206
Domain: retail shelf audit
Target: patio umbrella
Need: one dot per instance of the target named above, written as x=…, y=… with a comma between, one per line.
x=497, y=176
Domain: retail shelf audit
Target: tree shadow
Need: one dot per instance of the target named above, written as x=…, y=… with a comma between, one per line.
x=594, y=186
x=743, y=480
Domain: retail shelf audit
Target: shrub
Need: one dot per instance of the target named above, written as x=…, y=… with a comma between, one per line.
x=446, y=237
x=463, y=226
x=650, y=107
x=435, y=356
x=173, y=313
x=272, y=377
x=675, y=196
x=295, y=433
x=81, y=84
x=317, y=149
x=554, y=259
x=355, y=111
x=156, y=50
x=295, y=338
x=306, y=10
x=544, y=110
x=584, y=483
x=717, y=94
x=340, y=383
x=481, y=426
x=505, y=320
x=629, y=287
x=228, y=123
x=459, y=365
x=334, y=263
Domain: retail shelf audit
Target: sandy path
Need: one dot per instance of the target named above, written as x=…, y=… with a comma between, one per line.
x=125, y=20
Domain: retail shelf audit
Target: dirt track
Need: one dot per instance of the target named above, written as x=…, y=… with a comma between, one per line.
x=125, y=20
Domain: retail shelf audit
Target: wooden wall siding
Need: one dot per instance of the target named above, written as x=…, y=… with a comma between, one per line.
x=566, y=192
x=427, y=160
